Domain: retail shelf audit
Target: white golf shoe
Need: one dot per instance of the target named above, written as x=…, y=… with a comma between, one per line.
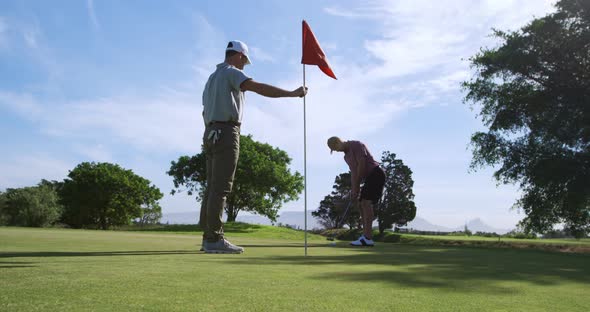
x=363, y=241
x=223, y=246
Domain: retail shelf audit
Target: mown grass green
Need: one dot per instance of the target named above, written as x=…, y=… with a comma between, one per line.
x=569, y=241
x=81, y=270
x=235, y=229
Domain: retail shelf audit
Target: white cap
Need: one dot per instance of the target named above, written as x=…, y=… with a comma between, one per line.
x=238, y=46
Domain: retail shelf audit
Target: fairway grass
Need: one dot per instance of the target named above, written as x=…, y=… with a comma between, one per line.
x=82, y=270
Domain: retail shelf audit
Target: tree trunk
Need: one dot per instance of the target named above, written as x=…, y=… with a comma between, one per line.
x=381, y=227
x=232, y=214
x=103, y=218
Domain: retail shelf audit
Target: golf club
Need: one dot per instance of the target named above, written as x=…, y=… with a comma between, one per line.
x=344, y=215
x=342, y=220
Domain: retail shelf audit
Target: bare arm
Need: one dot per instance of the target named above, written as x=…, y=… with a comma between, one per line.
x=271, y=91
x=355, y=181
x=356, y=178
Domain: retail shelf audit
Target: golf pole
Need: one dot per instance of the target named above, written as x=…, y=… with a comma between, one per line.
x=304, y=166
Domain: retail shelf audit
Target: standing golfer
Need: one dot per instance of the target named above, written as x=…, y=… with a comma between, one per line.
x=363, y=168
x=223, y=105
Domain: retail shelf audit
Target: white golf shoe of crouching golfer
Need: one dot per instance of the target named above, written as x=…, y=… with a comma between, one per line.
x=222, y=246
x=363, y=241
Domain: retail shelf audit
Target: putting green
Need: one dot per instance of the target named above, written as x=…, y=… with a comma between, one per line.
x=79, y=270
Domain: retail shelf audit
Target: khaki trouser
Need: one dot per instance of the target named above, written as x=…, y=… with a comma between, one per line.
x=221, y=150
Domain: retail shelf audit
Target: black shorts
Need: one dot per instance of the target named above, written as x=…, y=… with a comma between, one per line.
x=373, y=187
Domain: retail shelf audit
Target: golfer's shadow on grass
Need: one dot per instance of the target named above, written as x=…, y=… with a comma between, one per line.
x=294, y=245
x=94, y=253
x=34, y=254
x=445, y=268
x=13, y=264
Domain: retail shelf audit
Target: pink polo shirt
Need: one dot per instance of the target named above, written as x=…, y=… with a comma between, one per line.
x=358, y=153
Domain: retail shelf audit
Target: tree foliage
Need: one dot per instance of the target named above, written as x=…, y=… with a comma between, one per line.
x=105, y=195
x=533, y=94
x=262, y=183
x=36, y=206
x=397, y=204
x=330, y=213
x=3, y=216
x=150, y=214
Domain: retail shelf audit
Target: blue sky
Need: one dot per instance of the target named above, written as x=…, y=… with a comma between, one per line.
x=121, y=82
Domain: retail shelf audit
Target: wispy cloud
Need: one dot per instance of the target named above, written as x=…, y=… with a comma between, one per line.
x=261, y=55
x=37, y=47
x=206, y=48
x=24, y=104
x=27, y=170
x=97, y=152
x=3, y=31
x=92, y=14
x=31, y=37
x=365, y=11
x=161, y=121
x=422, y=35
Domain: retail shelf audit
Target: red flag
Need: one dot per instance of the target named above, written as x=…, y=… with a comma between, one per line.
x=312, y=52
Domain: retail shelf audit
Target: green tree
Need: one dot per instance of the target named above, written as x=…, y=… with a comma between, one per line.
x=3, y=216
x=36, y=206
x=330, y=212
x=467, y=231
x=262, y=183
x=397, y=203
x=533, y=93
x=104, y=195
x=150, y=214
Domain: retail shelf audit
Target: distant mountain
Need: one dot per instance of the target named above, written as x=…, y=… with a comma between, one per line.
x=295, y=218
x=423, y=225
x=181, y=217
x=477, y=225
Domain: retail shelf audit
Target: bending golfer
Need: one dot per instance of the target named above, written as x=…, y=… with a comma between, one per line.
x=363, y=168
x=223, y=104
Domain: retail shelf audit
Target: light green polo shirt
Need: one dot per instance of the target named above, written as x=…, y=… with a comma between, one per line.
x=223, y=100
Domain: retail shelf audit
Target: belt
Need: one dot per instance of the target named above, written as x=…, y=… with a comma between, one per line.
x=230, y=122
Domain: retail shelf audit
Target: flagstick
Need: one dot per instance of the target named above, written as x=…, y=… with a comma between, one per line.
x=304, y=165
